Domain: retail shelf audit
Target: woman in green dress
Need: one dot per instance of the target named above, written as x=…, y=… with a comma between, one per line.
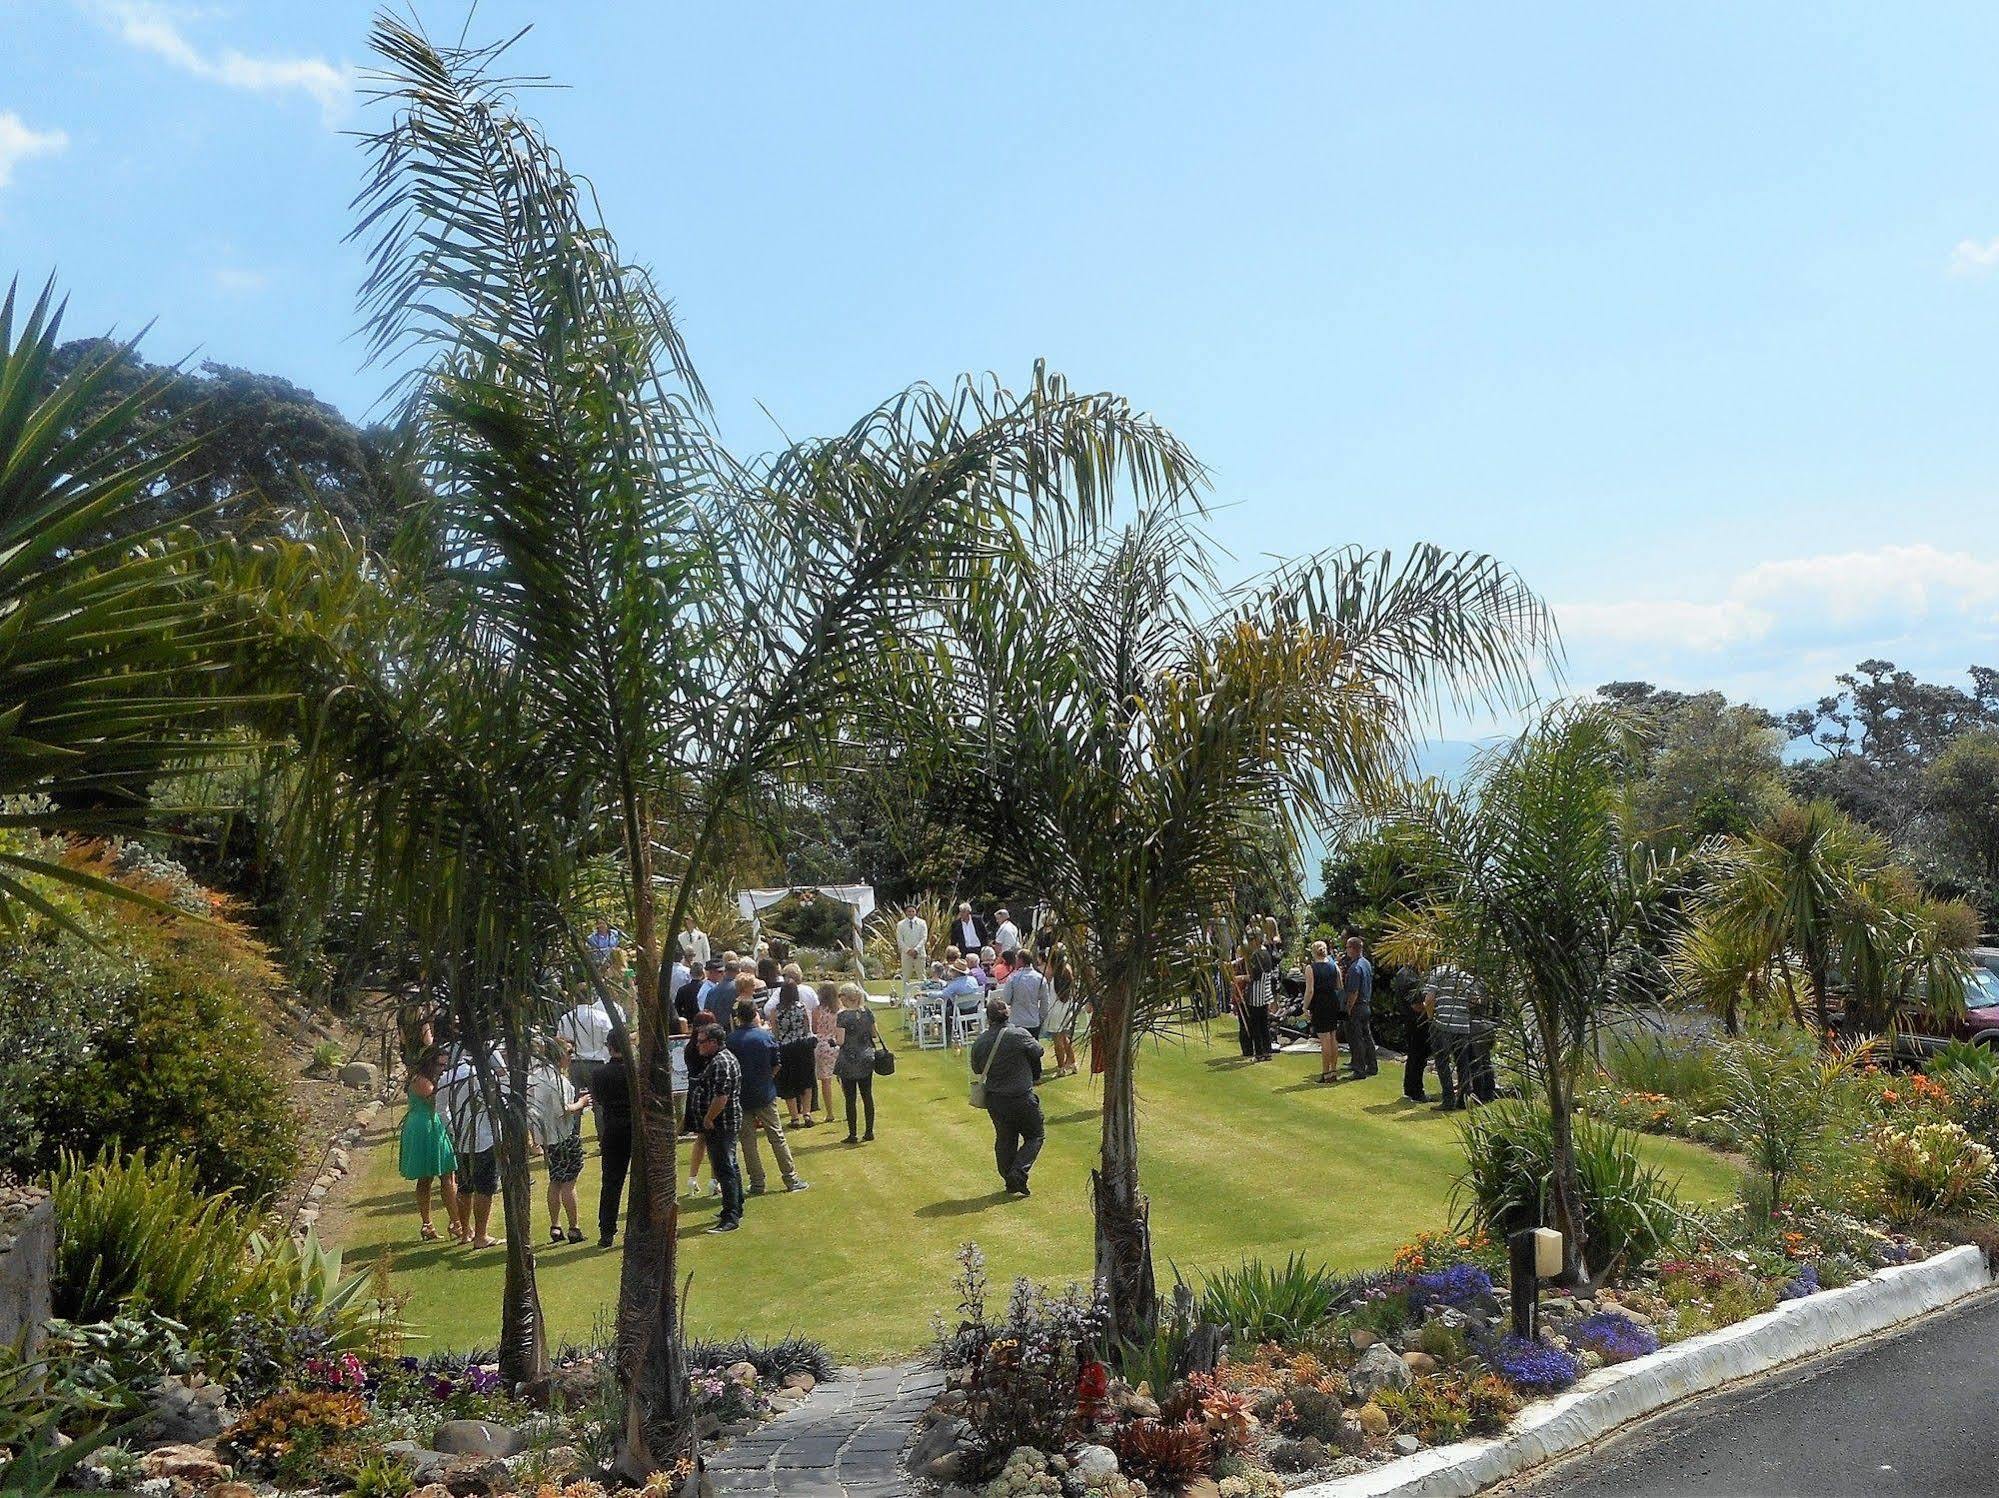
x=426, y=1152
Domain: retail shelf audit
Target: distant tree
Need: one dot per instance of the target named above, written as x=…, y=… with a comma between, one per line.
x=1365, y=879
x=1712, y=767
x=236, y=450
x=1961, y=798
x=1879, y=733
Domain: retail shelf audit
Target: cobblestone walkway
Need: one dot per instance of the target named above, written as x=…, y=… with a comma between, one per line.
x=842, y=1442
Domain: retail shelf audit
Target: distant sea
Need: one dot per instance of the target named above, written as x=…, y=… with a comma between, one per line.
x=1445, y=759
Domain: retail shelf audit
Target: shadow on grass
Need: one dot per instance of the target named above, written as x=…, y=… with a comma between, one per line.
x=1081, y=1115
x=964, y=1206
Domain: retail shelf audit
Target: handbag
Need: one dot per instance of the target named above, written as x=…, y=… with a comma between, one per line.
x=978, y=1088
x=884, y=1057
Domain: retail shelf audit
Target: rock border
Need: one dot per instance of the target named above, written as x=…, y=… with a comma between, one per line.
x=1618, y=1395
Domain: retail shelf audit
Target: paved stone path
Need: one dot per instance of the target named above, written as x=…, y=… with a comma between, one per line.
x=842, y=1442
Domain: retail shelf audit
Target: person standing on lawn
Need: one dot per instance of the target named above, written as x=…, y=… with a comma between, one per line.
x=694, y=942
x=1060, y=1022
x=1008, y=1060
x=716, y=1098
x=1006, y=935
x=791, y=1027
x=1447, y=996
x=912, y=940
x=1324, y=1010
x=612, y=1096
x=425, y=1152
x=555, y=1124
x=855, y=1065
x=759, y=1055
x=1265, y=966
x=826, y=1032
x=1026, y=994
x=1357, y=989
x=586, y=1029
x=1407, y=986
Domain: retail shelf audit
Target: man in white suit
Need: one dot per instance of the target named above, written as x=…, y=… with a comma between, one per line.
x=912, y=939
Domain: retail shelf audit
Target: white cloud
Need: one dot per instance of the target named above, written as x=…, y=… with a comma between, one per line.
x=154, y=28
x=239, y=281
x=1776, y=632
x=19, y=143
x=1974, y=257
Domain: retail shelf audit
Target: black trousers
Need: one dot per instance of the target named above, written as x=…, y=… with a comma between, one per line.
x=614, y=1150
x=1017, y=1135
x=1360, y=1040
x=862, y=1088
x=1418, y=1058
x=1471, y=1059
x=1256, y=1027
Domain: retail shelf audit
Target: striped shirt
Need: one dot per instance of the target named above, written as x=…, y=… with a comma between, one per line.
x=1454, y=992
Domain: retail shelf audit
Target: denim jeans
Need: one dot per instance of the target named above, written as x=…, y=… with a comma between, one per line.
x=728, y=1172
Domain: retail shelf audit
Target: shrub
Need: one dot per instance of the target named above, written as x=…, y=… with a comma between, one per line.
x=1628, y=1207
x=774, y=1361
x=1023, y=1369
x=1164, y=1456
x=138, y=1231
x=1970, y=1075
x=1932, y=1168
x=1614, y=1338
x=154, y=1041
x=1684, y=1068
x=1459, y=1286
x=1531, y=1367
x=276, y=1426
x=1262, y=1303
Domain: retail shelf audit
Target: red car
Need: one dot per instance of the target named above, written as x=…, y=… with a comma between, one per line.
x=1919, y=1033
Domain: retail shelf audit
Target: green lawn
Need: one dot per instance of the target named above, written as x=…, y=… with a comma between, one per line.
x=1237, y=1159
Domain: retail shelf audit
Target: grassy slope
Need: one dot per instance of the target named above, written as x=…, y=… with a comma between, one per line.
x=1237, y=1160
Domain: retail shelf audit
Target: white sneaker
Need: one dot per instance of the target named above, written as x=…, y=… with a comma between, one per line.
x=714, y=1188
x=694, y=1185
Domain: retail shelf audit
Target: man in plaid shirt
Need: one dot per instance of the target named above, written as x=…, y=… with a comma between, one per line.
x=716, y=1098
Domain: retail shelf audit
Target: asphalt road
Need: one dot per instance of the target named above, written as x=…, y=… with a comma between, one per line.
x=1912, y=1413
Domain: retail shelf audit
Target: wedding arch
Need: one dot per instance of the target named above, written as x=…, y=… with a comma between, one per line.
x=858, y=898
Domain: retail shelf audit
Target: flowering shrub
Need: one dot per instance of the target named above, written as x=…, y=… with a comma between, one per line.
x=1613, y=1337
x=1166, y=1454
x=1804, y=1282
x=1432, y=1251
x=727, y=1399
x=1933, y=1167
x=1458, y=1286
x=1532, y=1367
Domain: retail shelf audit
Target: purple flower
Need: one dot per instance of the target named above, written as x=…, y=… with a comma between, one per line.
x=1804, y=1282
x=1613, y=1337
x=1532, y=1367
x=1457, y=1286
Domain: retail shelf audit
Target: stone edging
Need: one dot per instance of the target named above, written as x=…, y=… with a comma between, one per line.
x=1614, y=1396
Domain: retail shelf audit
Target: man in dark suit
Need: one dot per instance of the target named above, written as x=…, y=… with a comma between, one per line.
x=968, y=932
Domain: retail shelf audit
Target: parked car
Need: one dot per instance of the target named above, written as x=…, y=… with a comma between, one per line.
x=1918, y=1033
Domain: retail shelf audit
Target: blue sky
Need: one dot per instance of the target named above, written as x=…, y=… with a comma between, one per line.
x=1691, y=314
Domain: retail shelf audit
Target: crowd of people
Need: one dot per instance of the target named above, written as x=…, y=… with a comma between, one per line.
x=1444, y=1014
x=758, y=1053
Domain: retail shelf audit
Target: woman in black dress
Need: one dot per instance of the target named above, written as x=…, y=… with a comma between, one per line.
x=797, y=1049
x=1323, y=1010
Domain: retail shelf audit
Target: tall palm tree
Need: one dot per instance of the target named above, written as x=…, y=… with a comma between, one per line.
x=1814, y=893
x=1534, y=888
x=107, y=650
x=1152, y=740
x=698, y=632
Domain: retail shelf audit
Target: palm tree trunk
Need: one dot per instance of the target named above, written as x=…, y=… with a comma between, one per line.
x=1124, y=1230
x=523, y=1333
x=659, y=1423
x=1815, y=975
x=1561, y=1133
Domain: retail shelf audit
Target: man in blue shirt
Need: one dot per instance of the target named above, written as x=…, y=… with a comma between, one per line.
x=756, y=1052
x=1357, y=989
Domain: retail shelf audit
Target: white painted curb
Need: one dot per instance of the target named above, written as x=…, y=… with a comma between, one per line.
x=1613, y=1396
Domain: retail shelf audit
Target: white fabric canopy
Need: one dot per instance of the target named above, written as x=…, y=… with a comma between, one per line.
x=860, y=896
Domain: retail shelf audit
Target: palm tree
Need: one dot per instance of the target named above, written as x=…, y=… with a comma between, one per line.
x=1152, y=740
x=107, y=649
x=1534, y=888
x=697, y=633
x=1813, y=893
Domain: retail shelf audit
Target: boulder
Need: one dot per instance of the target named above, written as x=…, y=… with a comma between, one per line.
x=1407, y=1445
x=1200, y=1487
x=197, y=1464
x=475, y=1477
x=431, y=1490
x=232, y=1489
x=423, y=1463
x=1306, y=1454
x=803, y=1382
x=1379, y=1368
x=1362, y=1339
x=940, y=1439
x=1094, y=1463
x=1373, y=1419
x=1351, y=1436
x=363, y=1076
x=743, y=1373
x=483, y=1438
x=1419, y=1363
x=786, y=1399
x=948, y=1467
